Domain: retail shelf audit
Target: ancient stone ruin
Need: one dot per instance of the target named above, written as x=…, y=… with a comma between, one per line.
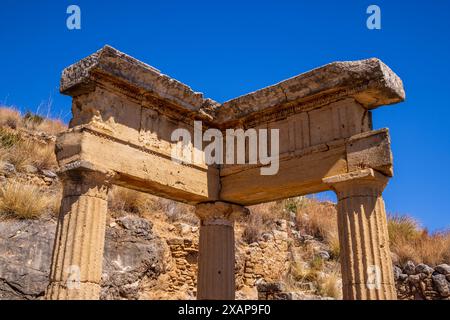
x=124, y=112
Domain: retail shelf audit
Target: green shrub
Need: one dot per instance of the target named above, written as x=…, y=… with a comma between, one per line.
x=8, y=139
x=33, y=118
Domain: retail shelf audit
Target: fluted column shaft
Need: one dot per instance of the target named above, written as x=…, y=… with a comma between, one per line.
x=78, y=249
x=363, y=236
x=216, y=279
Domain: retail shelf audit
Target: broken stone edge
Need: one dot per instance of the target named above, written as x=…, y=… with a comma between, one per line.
x=127, y=72
x=370, y=82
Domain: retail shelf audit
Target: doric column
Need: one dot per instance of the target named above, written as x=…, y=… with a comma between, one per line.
x=78, y=249
x=216, y=280
x=363, y=236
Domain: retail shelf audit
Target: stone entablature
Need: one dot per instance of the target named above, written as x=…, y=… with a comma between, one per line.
x=124, y=112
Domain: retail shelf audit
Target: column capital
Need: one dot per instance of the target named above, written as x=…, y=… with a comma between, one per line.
x=366, y=182
x=85, y=182
x=219, y=211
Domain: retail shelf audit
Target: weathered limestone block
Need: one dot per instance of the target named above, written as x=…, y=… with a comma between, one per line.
x=370, y=82
x=149, y=172
x=25, y=256
x=216, y=280
x=364, y=241
x=340, y=119
x=337, y=120
x=303, y=172
x=131, y=108
x=124, y=113
x=133, y=255
x=368, y=150
x=78, y=252
x=130, y=76
x=124, y=109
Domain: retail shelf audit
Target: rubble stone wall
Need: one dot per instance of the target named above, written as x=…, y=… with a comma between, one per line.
x=422, y=282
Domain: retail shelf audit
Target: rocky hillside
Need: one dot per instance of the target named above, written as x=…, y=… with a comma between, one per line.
x=285, y=250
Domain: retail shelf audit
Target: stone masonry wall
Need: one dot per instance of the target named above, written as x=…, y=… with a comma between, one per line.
x=421, y=282
x=266, y=259
x=184, y=275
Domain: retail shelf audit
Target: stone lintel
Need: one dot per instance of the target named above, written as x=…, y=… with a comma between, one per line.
x=304, y=173
x=370, y=82
x=129, y=74
x=81, y=149
x=219, y=212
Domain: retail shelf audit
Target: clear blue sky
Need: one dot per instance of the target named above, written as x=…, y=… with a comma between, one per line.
x=229, y=48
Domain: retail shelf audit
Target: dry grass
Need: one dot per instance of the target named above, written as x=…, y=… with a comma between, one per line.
x=407, y=239
x=261, y=219
x=269, y=211
x=10, y=117
x=24, y=201
x=52, y=126
x=319, y=219
x=21, y=151
x=314, y=271
x=328, y=286
x=28, y=152
x=176, y=211
x=123, y=201
x=410, y=242
x=301, y=274
x=306, y=272
x=8, y=137
x=254, y=226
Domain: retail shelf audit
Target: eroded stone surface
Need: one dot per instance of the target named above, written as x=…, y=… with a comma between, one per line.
x=126, y=110
x=133, y=255
x=25, y=255
x=370, y=81
x=123, y=106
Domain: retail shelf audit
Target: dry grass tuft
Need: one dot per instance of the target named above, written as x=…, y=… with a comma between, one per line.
x=8, y=137
x=328, y=286
x=319, y=219
x=313, y=271
x=176, y=211
x=410, y=242
x=301, y=274
x=261, y=219
x=21, y=151
x=123, y=201
x=51, y=126
x=403, y=228
x=24, y=201
x=254, y=226
x=10, y=117
x=28, y=152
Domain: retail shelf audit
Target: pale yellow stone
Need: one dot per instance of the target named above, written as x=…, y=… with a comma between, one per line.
x=124, y=112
